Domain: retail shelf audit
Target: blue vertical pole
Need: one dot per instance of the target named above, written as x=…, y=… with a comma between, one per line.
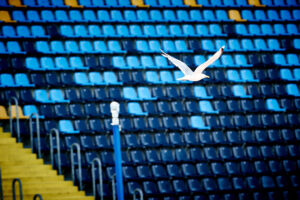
x=118, y=162
x=115, y=108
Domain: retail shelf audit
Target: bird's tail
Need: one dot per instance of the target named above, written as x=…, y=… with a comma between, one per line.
x=163, y=53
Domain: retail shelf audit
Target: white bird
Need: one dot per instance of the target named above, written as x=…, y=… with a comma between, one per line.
x=197, y=75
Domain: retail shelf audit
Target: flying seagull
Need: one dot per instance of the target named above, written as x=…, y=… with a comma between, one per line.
x=197, y=75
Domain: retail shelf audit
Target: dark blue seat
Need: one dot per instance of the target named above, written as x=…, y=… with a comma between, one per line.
x=246, y=167
x=232, y=168
x=150, y=187
x=174, y=171
x=209, y=184
x=167, y=155
x=180, y=186
x=91, y=110
x=82, y=126
x=159, y=171
x=211, y=153
x=165, y=187
x=196, y=154
x=252, y=182
x=218, y=169
x=203, y=169
x=224, y=184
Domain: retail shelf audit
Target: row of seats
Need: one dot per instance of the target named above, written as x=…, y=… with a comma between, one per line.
x=136, y=31
x=230, y=137
x=79, y=31
x=118, y=16
x=166, y=15
x=145, y=109
x=154, y=93
x=149, y=62
x=193, y=139
x=112, y=78
x=195, y=122
x=182, y=156
x=174, y=107
x=152, y=3
x=154, y=46
x=144, y=93
x=118, y=62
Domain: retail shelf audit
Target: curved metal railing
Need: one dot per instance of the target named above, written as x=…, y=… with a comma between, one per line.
x=14, y=188
x=11, y=118
x=77, y=147
x=37, y=132
x=37, y=196
x=138, y=191
x=55, y=131
x=94, y=162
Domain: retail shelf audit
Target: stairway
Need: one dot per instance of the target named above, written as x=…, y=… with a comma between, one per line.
x=36, y=177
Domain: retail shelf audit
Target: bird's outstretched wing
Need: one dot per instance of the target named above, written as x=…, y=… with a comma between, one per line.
x=212, y=59
x=181, y=65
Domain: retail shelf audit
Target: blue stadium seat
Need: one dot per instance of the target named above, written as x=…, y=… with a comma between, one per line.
x=292, y=89
x=200, y=92
x=152, y=77
x=81, y=31
x=239, y=91
x=273, y=44
x=241, y=29
x=72, y=47
x=89, y=15
x=23, y=31
x=66, y=127
x=143, y=15
x=75, y=16
x=57, y=96
x=76, y=63
x=293, y=59
x=197, y=123
x=33, y=16
x=247, y=76
x=206, y=107
x=67, y=31
x=182, y=15
x=286, y=74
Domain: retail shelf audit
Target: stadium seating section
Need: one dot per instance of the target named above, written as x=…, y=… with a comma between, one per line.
x=235, y=135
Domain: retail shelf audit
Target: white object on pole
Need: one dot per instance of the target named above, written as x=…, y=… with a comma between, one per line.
x=115, y=109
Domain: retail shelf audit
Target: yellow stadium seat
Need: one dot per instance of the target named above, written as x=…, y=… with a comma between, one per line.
x=235, y=15
x=73, y=3
x=5, y=16
x=139, y=3
x=255, y=3
x=16, y=3
x=191, y=3
x=3, y=113
x=14, y=112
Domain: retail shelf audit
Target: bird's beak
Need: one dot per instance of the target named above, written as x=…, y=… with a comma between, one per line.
x=207, y=77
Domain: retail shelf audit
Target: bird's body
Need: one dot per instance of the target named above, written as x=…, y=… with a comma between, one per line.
x=193, y=77
x=197, y=75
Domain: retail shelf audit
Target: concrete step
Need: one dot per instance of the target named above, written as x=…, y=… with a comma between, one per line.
x=21, y=174
x=10, y=163
x=57, y=179
x=54, y=197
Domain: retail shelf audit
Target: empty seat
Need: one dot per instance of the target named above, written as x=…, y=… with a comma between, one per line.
x=66, y=127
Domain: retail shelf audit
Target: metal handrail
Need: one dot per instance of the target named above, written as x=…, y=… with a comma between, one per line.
x=37, y=196
x=140, y=192
x=1, y=189
x=75, y=145
x=97, y=160
x=20, y=188
x=113, y=185
x=17, y=117
x=37, y=132
x=55, y=131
